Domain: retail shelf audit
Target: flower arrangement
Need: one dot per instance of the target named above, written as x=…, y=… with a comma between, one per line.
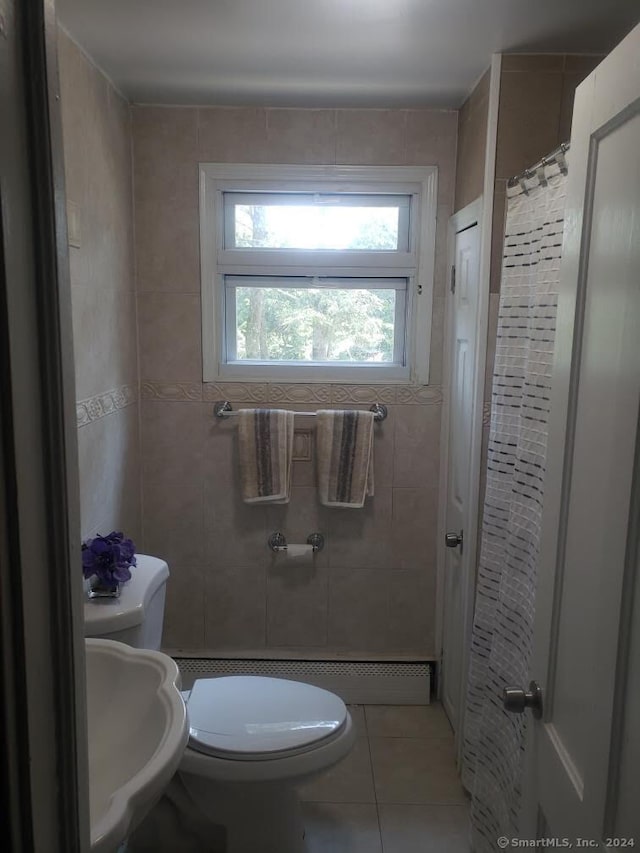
x=109, y=558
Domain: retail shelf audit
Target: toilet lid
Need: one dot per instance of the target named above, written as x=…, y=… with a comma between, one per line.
x=249, y=716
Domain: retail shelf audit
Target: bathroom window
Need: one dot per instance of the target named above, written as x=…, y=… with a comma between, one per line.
x=316, y=273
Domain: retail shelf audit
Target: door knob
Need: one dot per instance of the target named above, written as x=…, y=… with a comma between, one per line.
x=516, y=700
x=452, y=540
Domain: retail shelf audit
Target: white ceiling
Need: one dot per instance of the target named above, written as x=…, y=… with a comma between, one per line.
x=327, y=52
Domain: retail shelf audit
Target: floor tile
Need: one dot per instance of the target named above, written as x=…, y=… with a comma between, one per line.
x=357, y=715
x=350, y=781
x=415, y=770
x=407, y=721
x=341, y=828
x=424, y=829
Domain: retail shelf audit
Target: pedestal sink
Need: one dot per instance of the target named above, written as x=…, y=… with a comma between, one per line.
x=137, y=735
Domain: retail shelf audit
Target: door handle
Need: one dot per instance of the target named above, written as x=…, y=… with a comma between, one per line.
x=516, y=700
x=452, y=540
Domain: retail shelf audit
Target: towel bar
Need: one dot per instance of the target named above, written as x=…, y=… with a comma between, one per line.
x=224, y=409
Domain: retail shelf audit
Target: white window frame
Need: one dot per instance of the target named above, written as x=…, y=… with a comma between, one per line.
x=415, y=265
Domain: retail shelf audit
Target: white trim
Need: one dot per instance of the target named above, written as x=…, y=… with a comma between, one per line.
x=416, y=266
x=480, y=211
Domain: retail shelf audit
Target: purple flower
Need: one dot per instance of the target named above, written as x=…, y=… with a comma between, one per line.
x=109, y=558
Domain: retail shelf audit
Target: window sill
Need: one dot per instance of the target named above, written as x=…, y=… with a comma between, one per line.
x=310, y=374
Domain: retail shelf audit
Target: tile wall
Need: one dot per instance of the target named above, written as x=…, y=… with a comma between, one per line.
x=97, y=153
x=371, y=592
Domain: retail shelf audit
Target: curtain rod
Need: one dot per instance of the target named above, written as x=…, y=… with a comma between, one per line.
x=556, y=156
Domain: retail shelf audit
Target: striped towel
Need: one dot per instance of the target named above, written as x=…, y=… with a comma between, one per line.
x=345, y=457
x=266, y=448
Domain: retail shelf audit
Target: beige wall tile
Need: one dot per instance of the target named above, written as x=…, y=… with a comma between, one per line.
x=358, y=609
x=360, y=538
x=437, y=340
x=166, y=188
x=234, y=531
x=431, y=140
x=371, y=137
x=297, y=599
x=415, y=770
x=528, y=119
x=383, y=448
x=442, y=267
x=169, y=327
x=303, y=515
x=350, y=781
x=412, y=609
x=74, y=86
x=173, y=521
x=417, y=446
x=167, y=240
x=104, y=339
x=184, y=609
x=235, y=605
x=96, y=139
x=532, y=62
x=301, y=136
x=582, y=63
x=170, y=334
x=232, y=135
x=414, y=527
x=174, y=441
x=165, y=147
x=414, y=829
x=472, y=144
x=109, y=474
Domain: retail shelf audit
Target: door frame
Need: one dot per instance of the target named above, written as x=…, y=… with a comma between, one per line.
x=480, y=211
x=468, y=217
x=43, y=732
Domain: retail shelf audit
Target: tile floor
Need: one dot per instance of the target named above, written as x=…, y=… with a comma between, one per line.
x=397, y=792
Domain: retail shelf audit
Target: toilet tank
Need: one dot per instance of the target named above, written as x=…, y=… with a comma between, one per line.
x=136, y=617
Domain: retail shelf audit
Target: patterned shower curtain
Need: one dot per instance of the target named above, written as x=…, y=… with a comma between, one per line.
x=506, y=587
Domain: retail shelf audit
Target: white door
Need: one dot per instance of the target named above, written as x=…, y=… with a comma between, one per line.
x=459, y=563
x=584, y=754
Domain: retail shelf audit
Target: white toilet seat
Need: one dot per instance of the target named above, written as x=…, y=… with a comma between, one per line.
x=305, y=756
x=253, y=718
x=301, y=731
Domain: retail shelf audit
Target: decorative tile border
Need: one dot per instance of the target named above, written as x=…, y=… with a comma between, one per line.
x=171, y=391
x=299, y=393
x=294, y=393
x=235, y=392
x=419, y=395
x=94, y=408
x=363, y=393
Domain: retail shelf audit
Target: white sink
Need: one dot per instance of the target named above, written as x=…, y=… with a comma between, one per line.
x=137, y=735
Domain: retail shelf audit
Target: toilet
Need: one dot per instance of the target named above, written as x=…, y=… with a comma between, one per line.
x=252, y=739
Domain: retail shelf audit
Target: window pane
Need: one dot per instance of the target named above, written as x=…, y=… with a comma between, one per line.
x=315, y=324
x=299, y=223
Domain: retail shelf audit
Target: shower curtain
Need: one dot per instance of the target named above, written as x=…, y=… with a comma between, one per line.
x=505, y=599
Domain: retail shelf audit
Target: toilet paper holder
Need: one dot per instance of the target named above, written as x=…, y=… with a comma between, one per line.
x=277, y=542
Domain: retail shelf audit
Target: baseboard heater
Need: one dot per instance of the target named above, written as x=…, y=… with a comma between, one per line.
x=357, y=683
